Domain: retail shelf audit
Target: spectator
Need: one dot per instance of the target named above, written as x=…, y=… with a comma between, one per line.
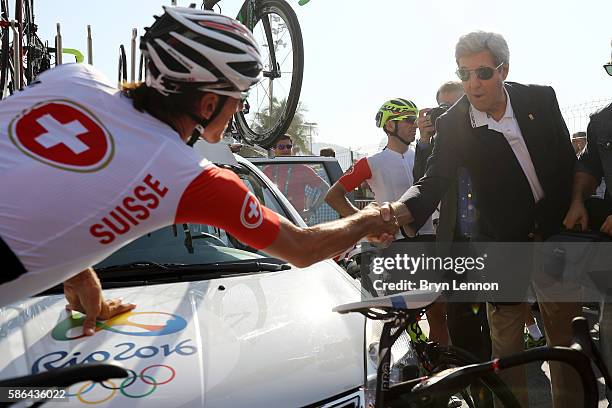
x=595, y=166
x=389, y=172
x=327, y=152
x=512, y=142
x=578, y=141
x=302, y=186
x=466, y=321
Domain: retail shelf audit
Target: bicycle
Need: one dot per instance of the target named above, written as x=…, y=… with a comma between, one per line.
x=435, y=389
x=35, y=55
x=65, y=377
x=580, y=355
x=401, y=314
x=276, y=97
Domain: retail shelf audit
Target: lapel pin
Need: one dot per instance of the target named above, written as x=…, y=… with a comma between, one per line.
x=531, y=117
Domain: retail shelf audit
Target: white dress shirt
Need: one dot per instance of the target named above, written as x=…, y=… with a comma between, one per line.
x=508, y=126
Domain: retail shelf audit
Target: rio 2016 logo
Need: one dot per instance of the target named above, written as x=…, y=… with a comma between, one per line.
x=126, y=324
x=136, y=385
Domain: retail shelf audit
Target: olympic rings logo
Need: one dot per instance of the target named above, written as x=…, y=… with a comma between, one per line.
x=122, y=324
x=134, y=386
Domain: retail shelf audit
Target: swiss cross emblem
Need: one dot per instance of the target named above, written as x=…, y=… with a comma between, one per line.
x=62, y=134
x=251, y=215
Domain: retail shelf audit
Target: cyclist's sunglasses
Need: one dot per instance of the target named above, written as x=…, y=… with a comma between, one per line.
x=482, y=73
x=409, y=119
x=608, y=68
x=284, y=146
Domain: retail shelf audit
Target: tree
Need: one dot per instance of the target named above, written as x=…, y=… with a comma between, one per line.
x=298, y=130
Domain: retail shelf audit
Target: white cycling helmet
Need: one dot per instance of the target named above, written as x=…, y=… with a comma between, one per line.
x=189, y=48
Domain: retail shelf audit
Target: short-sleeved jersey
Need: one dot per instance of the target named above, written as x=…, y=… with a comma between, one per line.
x=389, y=175
x=294, y=181
x=84, y=173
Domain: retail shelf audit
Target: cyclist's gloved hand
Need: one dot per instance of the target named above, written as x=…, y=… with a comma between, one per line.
x=84, y=294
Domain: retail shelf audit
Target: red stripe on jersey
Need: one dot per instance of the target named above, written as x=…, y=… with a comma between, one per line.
x=356, y=175
x=218, y=197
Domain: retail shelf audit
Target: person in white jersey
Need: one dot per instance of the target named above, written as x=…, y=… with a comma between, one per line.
x=87, y=168
x=389, y=173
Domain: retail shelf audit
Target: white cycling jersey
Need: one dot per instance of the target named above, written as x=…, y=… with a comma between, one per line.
x=84, y=173
x=389, y=175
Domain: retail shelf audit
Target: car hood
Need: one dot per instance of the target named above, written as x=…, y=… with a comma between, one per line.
x=259, y=340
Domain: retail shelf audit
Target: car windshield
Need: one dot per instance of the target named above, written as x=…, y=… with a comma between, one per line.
x=305, y=186
x=193, y=244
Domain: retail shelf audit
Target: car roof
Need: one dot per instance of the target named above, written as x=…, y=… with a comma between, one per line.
x=292, y=159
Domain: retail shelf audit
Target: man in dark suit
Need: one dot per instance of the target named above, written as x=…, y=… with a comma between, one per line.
x=511, y=142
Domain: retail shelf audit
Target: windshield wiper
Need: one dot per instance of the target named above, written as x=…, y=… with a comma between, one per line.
x=143, y=273
x=152, y=270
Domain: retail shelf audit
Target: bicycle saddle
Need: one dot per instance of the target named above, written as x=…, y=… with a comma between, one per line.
x=404, y=301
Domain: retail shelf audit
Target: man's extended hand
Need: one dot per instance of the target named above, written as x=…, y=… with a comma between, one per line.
x=384, y=225
x=577, y=215
x=84, y=294
x=426, y=128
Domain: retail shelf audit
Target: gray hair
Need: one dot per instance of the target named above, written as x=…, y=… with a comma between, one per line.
x=479, y=41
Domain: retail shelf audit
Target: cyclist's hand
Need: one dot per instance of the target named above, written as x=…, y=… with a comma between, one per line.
x=84, y=294
x=577, y=215
x=426, y=128
x=385, y=225
x=606, y=228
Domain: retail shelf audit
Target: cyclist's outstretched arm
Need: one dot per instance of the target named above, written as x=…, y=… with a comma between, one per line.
x=305, y=246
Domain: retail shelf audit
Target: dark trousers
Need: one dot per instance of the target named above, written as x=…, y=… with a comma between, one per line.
x=468, y=328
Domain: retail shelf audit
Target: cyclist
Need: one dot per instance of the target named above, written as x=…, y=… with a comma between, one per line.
x=389, y=173
x=87, y=168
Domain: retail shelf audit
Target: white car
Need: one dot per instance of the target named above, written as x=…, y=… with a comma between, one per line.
x=216, y=325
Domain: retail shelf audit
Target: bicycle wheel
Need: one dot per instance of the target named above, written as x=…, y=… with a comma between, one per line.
x=272, y=103
x=4, y=49
x=451, y=357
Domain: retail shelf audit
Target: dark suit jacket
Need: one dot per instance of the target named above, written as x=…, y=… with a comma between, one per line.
x=505, y=205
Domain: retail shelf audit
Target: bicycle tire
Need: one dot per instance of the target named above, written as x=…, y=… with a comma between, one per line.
x=266, y=138
x=451, y=356
x=4, y=49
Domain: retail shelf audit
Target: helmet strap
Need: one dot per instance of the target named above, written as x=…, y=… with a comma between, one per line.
x=395, y=133
x=203, y=122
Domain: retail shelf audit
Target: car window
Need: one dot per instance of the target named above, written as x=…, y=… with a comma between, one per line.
x=305, y=186
x=196, y=243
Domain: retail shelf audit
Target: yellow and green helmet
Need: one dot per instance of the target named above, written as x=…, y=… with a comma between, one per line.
x=396, y=109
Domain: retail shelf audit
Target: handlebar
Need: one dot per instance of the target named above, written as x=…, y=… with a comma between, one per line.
x=65, y=377
x=579, y=356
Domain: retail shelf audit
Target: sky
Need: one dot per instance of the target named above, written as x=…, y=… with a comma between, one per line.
x=358, y=54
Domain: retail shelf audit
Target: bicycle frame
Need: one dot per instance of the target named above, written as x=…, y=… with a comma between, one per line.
x=579, y=355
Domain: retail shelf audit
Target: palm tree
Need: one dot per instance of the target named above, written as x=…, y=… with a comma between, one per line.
x=298, y=130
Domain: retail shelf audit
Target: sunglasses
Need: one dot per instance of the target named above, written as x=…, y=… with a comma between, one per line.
x=284, y=146
x=410, y=120
x=608, y=68
x=483, y=73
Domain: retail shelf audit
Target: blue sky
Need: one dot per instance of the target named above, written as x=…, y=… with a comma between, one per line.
x=360, y=53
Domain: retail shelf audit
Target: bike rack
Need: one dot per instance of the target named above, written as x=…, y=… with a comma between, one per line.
x=58, y=46
x=89, y=46
x=133, y=56
x=18, y=63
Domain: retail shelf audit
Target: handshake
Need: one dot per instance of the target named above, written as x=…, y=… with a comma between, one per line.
x=382, y=222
